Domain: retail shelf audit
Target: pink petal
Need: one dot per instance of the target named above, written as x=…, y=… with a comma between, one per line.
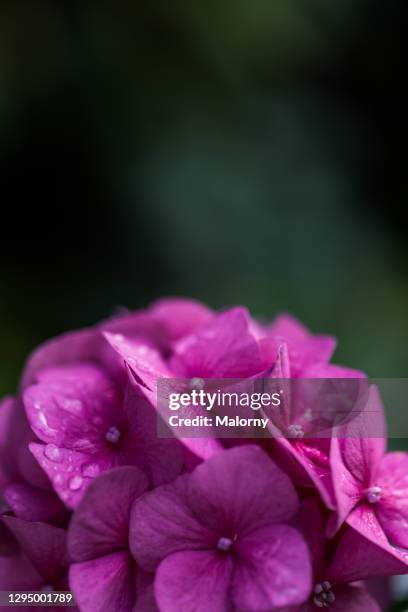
x=364, y=543
x=43, y=544
x=273, y=569
x=286, y=326
x=162, y=523
x=194, y=581
x=348, y=489
x=32, y=504
x=303, y=466
x=305, y=349
x=222, y=349
x=72, y=406
x=364, y=439
x=65, y=469
x=180, y=316
x=17, y=573
x=352, y=599
x=160, y=458
x=311, y=523
x=392, y=509
x=101, y=522
x=106, y=583
x=74, y=346
x=241, y=489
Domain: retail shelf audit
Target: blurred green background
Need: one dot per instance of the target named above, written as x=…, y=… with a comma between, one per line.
x=236, y=151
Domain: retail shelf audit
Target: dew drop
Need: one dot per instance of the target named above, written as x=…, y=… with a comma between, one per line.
x=53, y=453
x=75, y=483
x=74, y=406
x=91, y=470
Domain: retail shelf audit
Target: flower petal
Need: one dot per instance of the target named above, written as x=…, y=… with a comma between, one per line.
x=73, y=406
x=273, y=569
x=392, y=509
x=43, y=544
x=106, y=583
x=32, y=504
x=366, y=544
x=352, y=598
x=180, y=316
x=101, y=522
x=162, y=523
x=160, y=458
x=241, y=489
x=222, y=349
x=194, y=581
x=65, y=470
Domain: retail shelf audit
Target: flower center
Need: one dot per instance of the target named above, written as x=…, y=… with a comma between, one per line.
x=323, y=595
x=224, y=544
x=113, y=435
x=373, y=494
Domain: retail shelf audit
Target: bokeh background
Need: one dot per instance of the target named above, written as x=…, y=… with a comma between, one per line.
x=236, y=151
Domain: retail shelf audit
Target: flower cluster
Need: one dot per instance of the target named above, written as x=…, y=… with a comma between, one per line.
x=92, y=500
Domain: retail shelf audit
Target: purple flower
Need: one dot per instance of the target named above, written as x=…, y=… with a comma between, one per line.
x=40, y=559
x=160, y=325
x=219, y=537
x=89, y=427
x=104, y=575
x=371, y=487
x=337, y=581
x=25, y=488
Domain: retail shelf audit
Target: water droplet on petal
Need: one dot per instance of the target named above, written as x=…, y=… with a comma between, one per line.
x=53, y=453
x=75, y=483
x=74, y=406
x=91, y=470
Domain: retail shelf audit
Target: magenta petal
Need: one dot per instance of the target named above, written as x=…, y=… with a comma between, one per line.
x=32, y=504
x=352, y=598
x=43, y=544
x=160, y=458
x=180, y=316
x=330, y=370
x=194, y=581
x=241, y=488
x=286, y=326
x=304, y=471
x=222, y=349
x=76, y=346
x=145, y=362
x=72, y=405
x=311, y=524
x=65, y=470
x=101, y=522
x=368, y=548
x=103, y=584
x=364, y=439
x=392, y=508
x=273, y=569
x=17, y=573
x=162, y=523
x=348, y=489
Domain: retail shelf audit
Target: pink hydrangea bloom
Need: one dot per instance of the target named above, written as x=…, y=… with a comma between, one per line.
x=104, y=575
x=293, y=522
x=40, y=559
x=210, y=532
x=371, y=487
x=89, y=426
